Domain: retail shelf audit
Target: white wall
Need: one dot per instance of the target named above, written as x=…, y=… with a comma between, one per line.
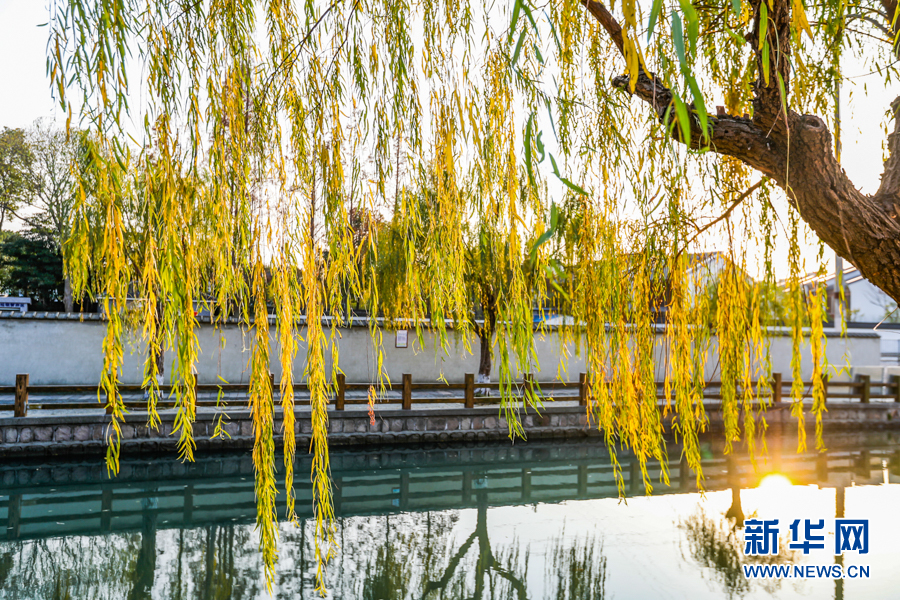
x=868, y=303
x=64, y=351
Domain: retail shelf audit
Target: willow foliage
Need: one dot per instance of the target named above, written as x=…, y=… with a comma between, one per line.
x=309, y=154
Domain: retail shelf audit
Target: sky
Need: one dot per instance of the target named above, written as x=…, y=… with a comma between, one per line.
x=25, y=93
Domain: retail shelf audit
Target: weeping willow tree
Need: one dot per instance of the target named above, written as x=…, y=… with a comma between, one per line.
x=234, y=145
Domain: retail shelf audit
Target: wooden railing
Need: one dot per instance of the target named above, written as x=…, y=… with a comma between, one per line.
x=861, y=389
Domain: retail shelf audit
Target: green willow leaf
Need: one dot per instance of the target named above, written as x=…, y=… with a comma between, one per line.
x=567, y=182
x=573, y=186
x=693, y=24
x=518, y=49
x=654, y=14
x=784, y=98
x=763, y=23
x=528, y=153
x=540, y=146
x=678, y=38
x=684, y=119
x=699, y=105
x=514, y=21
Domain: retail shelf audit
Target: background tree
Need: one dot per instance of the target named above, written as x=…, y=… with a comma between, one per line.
x=54, y=162
x=486, y=278
x=16, y=177
x=31, y=265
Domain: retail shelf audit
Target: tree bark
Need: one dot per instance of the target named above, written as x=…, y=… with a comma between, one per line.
x=157, y=345
x=484, y=364
x=68, y=303
x=796, y=152
x=145, y=567
x=486, y=337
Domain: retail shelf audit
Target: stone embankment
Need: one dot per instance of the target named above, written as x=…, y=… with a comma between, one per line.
x=85, y=432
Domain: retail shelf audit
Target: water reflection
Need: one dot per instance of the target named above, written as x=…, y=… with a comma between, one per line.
x=578, y=568
x=716, y=545
x=487, y=566
x=534, y=521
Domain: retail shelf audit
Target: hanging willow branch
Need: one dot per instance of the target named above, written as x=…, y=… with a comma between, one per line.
x=439, y=162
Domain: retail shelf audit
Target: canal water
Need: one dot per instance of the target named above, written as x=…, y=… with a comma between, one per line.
x=542, y=521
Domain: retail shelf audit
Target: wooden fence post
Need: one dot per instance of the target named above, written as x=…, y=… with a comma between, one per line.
x=526, y=484
x=470, y=390
x=187, y=504
x=21, y=405
x=582, y=389
x=866, y=394
x=106, y=500
x=864, y=466
x=635, y=476
x=895, y=382
x=14, y=516
x=776, y=388
x=404, y=490
x=684, y=472
x=582, y=480
x=822, y=467
x=341, y=388
x=337, y=496
x=466, y=487
x=407, y=391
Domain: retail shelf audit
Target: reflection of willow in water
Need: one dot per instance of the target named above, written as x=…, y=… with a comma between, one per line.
x=715, y=543
x=474, y=569
x=411, y=556
x=436, y=524
x=578, y=568
x=76, y=567
x=198, y=563
x=407, y=556
x=493, y=572
x=389, y=575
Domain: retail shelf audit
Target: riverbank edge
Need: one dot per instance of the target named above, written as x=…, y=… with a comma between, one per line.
x=65, y=435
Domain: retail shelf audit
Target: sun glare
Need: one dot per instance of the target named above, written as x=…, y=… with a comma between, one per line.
x=774, y=482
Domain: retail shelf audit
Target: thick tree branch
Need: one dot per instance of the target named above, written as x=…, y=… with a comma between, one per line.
x=890, y=10
x=796, y=151
x=889, y=191
x=609, y=23
x=774, y=65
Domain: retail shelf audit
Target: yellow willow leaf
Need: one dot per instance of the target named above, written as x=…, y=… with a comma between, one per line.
x=798, y=16
x=632, y=60
x=319, y=168
x=628, y=9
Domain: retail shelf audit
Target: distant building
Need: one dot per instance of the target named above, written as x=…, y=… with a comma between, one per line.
x=202, y=308
x=703, y=271
x=14, y=304
x=865, y=307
